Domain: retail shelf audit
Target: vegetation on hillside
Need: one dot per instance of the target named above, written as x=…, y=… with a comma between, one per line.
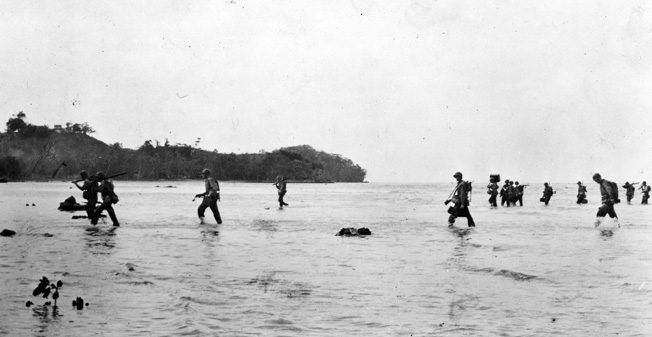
x=38, y=152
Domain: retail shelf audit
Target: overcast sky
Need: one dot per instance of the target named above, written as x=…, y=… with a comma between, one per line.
x=410, y=90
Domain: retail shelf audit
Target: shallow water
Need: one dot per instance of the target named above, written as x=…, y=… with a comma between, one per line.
x=531, y=270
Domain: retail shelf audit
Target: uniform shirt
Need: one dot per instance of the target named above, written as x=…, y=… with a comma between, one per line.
x=606, y=191
x=493, y=188
x=460, y=195
x=106, y=188
x=211, y=186
x=282, y=186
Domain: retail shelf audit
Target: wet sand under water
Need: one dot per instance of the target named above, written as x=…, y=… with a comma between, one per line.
x=532, y=270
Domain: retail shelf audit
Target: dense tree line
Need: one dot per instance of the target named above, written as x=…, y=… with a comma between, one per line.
x=48, y=154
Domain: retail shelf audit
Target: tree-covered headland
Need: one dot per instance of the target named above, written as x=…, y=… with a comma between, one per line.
x=31, y=152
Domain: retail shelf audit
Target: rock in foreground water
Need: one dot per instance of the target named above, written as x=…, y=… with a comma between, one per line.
x=7, y=232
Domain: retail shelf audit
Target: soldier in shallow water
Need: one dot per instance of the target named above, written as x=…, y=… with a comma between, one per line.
x=492, y=190
x=460, y=198
x=630, y=189
x=520, y=190
x=547, y=193
x=609, y=194
x=108, y=199
x=581, y=193
x=211, y=196
x=503, y=193
x=281, y=186
x=645, y=190
x=89, y=190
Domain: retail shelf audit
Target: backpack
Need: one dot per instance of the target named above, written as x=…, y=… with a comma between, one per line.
x=614, y=189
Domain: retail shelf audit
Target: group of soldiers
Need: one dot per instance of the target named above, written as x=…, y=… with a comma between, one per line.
x=91, y=186
x=512, y=192
x=99, y=183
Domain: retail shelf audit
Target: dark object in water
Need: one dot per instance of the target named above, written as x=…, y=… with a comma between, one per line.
x=42, y=288
x=29, y=304
x=7, y=232
x=48, y=235
x=85, y=216
x=364, y=231
x=33, y=204
x=354, y=232
x=78, y=303
x=71, y=205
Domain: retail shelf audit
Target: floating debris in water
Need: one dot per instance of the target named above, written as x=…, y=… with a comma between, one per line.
x=351, y=231
x=29, y=304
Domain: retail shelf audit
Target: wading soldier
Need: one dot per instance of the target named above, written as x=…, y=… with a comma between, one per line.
x=108, y=199
x=581, y=193
x=460, y=199
x=281, y=186
x=211, y=196
x=609, y=193
x=645, y=190
x=89, y=190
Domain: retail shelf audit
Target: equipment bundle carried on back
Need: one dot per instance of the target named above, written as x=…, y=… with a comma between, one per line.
x=614, y=191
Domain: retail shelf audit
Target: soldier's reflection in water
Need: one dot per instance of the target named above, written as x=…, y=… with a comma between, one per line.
x=99, y=240
x=47, y=315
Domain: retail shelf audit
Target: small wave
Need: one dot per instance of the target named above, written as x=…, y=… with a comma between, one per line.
x=503, y=272
x=200, y=301
x=269, y=283
x=516, y=275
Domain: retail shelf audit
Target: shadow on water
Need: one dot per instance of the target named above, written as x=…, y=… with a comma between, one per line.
x=47, y=316
x=264, y=225
x=460, y=232
x=100, y=241
x=210, y=234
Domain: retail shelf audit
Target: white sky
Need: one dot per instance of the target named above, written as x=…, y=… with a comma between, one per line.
x=410, y=90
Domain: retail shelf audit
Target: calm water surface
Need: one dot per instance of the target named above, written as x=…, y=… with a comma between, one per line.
x=535, y=270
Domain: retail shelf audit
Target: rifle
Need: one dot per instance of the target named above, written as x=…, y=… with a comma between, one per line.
x=450, y=196
x=105, y=178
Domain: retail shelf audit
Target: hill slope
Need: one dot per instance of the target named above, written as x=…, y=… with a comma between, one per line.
x=38, y=157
